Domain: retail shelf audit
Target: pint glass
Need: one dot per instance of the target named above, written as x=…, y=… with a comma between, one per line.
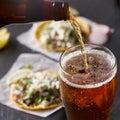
x=88, y=95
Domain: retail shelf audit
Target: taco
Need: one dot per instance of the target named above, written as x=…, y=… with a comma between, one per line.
x=58, y=36
x=37, y=91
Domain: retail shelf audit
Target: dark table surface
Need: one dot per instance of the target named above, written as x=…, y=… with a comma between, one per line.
x=102, y=11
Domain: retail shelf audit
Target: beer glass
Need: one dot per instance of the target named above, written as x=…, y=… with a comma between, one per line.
x=88, y=95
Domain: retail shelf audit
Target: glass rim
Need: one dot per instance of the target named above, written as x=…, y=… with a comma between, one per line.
x=94, y=45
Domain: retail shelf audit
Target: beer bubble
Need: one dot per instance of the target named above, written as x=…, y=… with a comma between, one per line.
x=90, y=59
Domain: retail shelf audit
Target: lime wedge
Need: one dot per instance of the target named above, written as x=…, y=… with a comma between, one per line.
x=15, y=76
x=4, y=37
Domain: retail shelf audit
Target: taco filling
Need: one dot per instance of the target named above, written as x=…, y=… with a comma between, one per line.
x=37, y=89
x=55, y=35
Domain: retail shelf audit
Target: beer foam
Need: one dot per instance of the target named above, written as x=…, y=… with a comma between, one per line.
x=76, y=53
x=109, y=58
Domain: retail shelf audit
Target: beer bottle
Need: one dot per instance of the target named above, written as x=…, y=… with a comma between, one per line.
x=24, y=11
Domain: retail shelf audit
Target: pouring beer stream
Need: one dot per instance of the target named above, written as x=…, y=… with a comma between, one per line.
x=77, y=30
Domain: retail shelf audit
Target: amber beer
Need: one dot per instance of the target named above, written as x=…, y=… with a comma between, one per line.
x=88, y=96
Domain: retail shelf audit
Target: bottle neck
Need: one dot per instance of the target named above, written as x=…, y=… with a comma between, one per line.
x=22, y=11
x=47, y=10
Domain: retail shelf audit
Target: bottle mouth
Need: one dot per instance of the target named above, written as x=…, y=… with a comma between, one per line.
x=60, y=10
x=74, y=51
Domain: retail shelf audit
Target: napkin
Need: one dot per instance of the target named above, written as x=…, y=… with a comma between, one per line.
x=99, y=35
x=38, y=62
